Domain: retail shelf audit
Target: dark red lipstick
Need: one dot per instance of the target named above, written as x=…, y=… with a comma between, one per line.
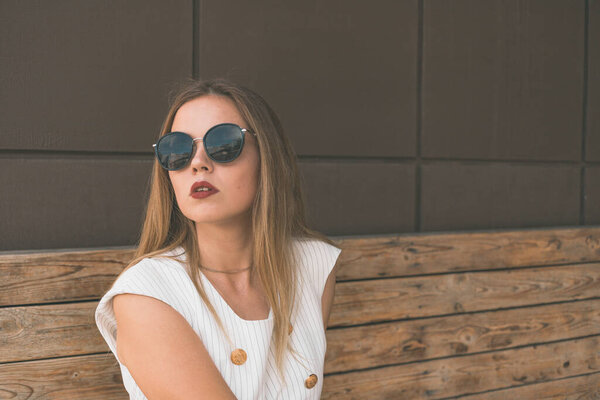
x=202, y=189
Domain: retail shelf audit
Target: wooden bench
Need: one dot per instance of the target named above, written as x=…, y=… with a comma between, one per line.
x=473, y=315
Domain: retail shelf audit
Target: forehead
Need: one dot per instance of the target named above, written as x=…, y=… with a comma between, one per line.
x=197, y=116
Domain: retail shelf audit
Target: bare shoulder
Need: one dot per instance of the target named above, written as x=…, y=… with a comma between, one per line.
x=165, y=356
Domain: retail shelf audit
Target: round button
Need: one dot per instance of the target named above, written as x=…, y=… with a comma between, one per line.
x=290, y=329
x=311, y=381
x=238, y=356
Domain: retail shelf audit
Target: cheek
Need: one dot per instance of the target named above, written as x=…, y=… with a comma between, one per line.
x=246, y=187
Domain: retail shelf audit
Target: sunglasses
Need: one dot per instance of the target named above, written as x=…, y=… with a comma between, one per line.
x=223, y=143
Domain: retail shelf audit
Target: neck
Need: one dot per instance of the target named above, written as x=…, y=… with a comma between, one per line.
x=227, y=248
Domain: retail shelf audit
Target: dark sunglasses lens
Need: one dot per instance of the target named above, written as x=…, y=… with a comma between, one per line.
x=174, y=150
x=224, y=142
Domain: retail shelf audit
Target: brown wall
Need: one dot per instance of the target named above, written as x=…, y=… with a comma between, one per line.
x=408, y=116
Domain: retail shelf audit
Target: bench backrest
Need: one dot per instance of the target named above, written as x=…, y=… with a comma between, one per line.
x=483, y=315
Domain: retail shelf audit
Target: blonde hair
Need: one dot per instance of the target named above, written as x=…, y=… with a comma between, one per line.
x=278, y=211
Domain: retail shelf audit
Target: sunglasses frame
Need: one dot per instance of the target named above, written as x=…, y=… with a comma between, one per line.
x=242, y=130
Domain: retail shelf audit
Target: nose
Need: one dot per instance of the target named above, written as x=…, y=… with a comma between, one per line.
x=200, y=160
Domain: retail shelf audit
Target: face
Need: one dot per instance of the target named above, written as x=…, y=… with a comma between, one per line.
x=236, y=182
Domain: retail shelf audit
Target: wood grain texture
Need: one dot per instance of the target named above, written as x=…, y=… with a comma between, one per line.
x=430, y=323
x=82, y=275
x=378, y=300
x=404, y=255
x=58, y=330
x=69, y=329
x=468, y=374
x=585, y=387
x=59, y=276
x=94, y=377
x=376, y=345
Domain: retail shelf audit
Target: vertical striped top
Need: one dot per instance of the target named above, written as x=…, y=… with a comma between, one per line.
x=167, y=279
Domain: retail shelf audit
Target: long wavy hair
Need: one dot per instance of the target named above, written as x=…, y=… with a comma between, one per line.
x=278, y=210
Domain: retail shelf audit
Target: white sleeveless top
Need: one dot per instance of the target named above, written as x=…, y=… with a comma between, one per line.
x=167, y=280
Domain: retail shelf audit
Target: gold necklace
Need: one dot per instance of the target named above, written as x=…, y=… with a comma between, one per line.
x=235, y=271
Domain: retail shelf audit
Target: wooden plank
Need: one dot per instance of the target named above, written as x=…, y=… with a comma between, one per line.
x=35, y=332
x=87, y=275
x=59, y=276
x=94, y=377
x=98, y=375
x=457, y=376
x=417, y=340
x=376, y=300
x=82, y=275
x=70, y=329
x=585, y=387
x=404, y=255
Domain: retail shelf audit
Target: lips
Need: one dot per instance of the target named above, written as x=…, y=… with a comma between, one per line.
x=202, y=189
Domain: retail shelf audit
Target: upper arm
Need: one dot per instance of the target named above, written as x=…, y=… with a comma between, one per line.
x=164, y=355
x=329, y=293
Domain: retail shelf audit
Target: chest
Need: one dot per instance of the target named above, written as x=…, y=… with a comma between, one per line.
x=257, y=377
x=251, y=305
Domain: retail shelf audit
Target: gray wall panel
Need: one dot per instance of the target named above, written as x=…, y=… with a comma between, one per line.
x=344, y=198
x=593, y=105
x=458, y=196
x=75, y=202
x=592, y=195
x=341, y=74
x=83, y=81
x=89, y=75
x=503, y=79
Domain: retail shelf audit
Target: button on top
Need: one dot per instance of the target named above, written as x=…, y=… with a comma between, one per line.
x=311, y=381
x=238, y=356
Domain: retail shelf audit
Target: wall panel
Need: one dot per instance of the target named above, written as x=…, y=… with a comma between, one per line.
x=459, y=196
x=592, y=195
x=68, y=203
x=89, y=75
x=79, y=202
x=503, y=79
x=341, y=74
x=593, y=83
x=368, y=197
x=85, y=85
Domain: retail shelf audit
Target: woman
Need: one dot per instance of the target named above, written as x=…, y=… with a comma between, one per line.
x=229, y=292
